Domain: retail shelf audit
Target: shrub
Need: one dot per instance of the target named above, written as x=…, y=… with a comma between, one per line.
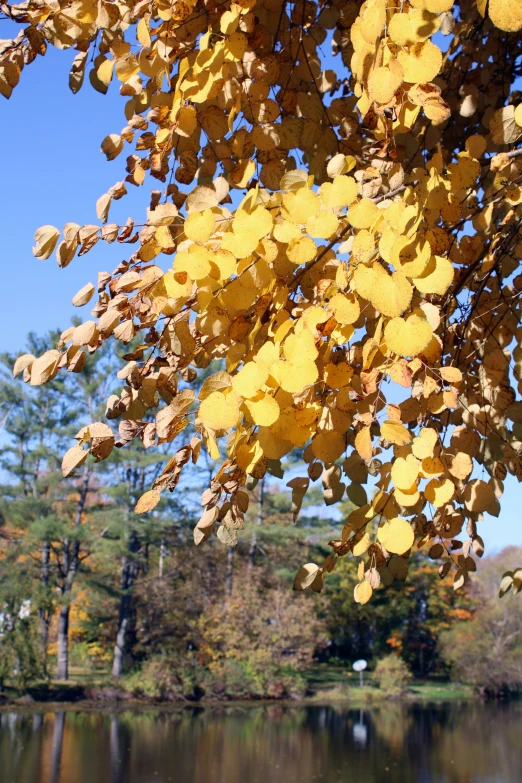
x=392, y=675
x=168, y=678
x=21, y=659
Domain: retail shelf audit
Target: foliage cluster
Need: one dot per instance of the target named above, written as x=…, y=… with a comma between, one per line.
x=345, y=261
x=392, y=675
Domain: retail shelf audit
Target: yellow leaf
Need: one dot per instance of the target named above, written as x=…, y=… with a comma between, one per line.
x=396, y=535
x=45, y=238
x=340, y=193
x=250, y=379
x=424, y=444
x=345, y=308
x=186, y=121
x=322, y=225
x=480, y=496
x=384, y=82
x=299, y=207
x=199, y=226
x=506, y=15
x=338, y=375
x=404, y=472
x=363, y=214
x=147, y=501
x=361, y=546
x=301, y=251
x=44, y=368
x=407, y=337
x=305, y=576
x=248, y=455
x=437, y=277
x=264, y=411
x=461, y=465
x=422, y=63
x=142, y=33
x=328, y=445
x=112, y=145
x=84, y=295
x=195, y=262
x=439, y=491
x=73, y=458
x=363, y=444
x=363, y=592
x=219, y=412
x=395, y=432
x=22, y=363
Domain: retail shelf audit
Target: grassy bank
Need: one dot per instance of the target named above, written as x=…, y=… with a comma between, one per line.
x=339, y=683
x=325, y=683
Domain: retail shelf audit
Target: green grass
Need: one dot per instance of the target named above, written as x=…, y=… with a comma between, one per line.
x=340, y=683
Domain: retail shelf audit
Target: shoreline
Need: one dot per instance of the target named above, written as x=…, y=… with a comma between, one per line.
x=366, y=698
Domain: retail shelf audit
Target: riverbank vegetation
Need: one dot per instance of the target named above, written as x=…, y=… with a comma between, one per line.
x=121, y=605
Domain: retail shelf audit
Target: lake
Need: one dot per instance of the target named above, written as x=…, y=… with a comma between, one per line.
x=458, y=743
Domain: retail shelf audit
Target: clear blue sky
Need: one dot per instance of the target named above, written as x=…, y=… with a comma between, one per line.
x=53, y=172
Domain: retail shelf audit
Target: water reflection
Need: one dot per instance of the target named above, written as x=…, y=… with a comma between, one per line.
x=474, y=743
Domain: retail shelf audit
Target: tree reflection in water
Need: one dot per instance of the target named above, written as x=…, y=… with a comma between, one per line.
x=453, y=743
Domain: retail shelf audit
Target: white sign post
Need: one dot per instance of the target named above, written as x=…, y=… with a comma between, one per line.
x=360, y=666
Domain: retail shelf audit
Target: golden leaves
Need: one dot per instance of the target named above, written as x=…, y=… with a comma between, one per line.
x=384, y=82
x=340, y=193
x=219, y=412
x=45, y=241
x=199, y=226
x=322, y=282
x=73, y=458
x=305, y=576
x=422, y=63
x=407, y=337
x=363, y=444
x=504, y=127
x=112, y=145
x=505, y=14
x=363, y=592
x=389, y=294
x=147, y=502
x=404, y=472
x=300, y=206
x=395, y=432
x=84, y=295
x=396, y=535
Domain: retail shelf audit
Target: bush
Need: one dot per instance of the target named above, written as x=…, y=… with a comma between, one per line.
x=21, y=659
x=164, y=678
x=392, y=675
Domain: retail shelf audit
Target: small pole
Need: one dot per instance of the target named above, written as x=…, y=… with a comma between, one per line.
x=360, y=679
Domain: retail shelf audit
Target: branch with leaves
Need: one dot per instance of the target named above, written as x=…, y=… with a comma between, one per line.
x=344, y=232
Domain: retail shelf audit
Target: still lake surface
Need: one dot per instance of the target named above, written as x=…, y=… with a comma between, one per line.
x=452, y=743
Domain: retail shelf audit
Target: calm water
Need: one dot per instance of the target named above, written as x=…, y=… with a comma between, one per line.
x=266, y=744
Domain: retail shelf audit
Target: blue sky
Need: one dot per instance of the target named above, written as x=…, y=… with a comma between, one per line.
x=53, y=172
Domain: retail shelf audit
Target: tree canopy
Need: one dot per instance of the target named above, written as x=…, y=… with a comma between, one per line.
x=340, y=198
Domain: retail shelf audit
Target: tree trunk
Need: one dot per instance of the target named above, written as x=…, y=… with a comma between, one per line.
x=229, y=576
x=259, y=521
x=56, y=750
x=43, y=612
x=71, y=562
x=63, y=643
x=162, y=556
x=129, y=572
